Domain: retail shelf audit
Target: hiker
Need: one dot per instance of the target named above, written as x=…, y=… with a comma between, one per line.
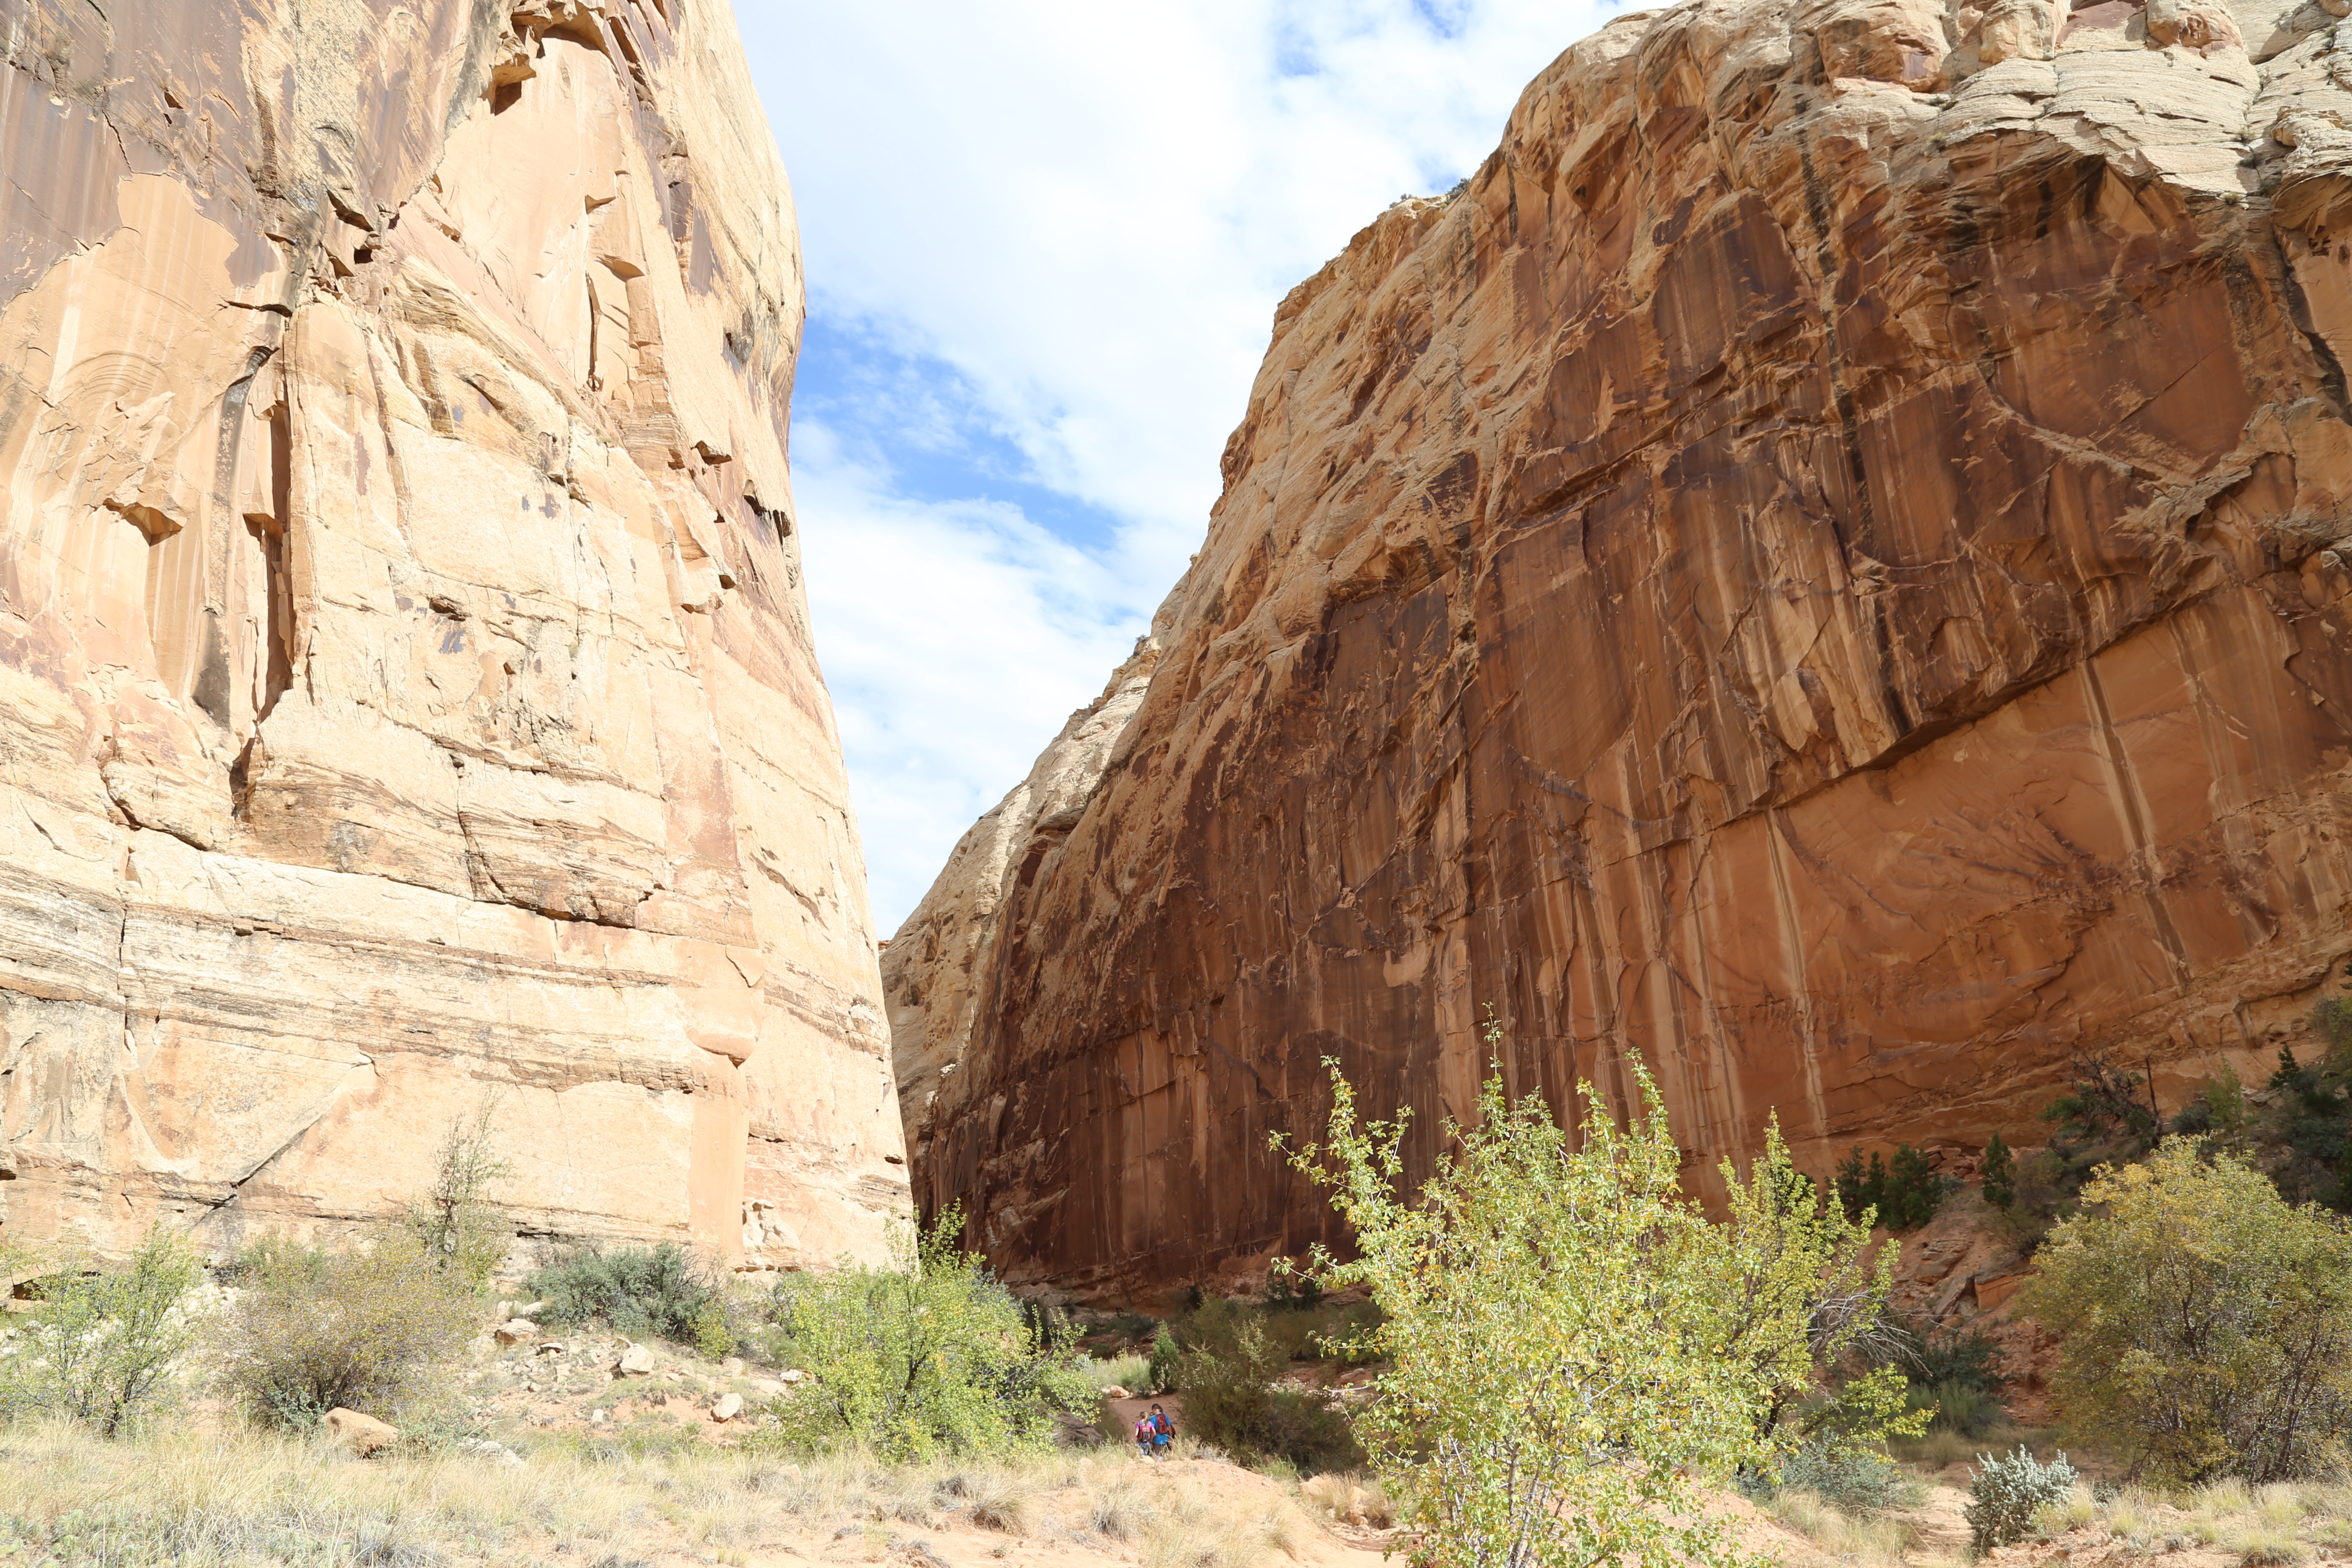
x=1163, y=1433
x=1146, y=1434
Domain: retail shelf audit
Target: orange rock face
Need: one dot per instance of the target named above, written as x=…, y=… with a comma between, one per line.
x=406, y=695
x=1818, y=563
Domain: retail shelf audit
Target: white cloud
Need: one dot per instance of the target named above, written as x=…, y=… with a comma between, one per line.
x=1044, y=242
x=946, y=688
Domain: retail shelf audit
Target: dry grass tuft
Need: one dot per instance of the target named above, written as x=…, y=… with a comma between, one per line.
x=1881, y=1541
x=244, y=1496
x=1354, y=1498
x=1118, y=1511
x=2275, y=1526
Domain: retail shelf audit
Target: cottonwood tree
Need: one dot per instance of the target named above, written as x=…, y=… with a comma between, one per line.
x=1806, y=1311
x=2206, y=1326
x=1556, y=1332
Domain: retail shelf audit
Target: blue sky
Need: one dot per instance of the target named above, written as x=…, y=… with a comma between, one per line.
x=1044, y=245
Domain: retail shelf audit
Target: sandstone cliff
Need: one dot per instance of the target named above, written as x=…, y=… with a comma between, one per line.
x=935, y=970
x=406, y=691
x=1817, y=563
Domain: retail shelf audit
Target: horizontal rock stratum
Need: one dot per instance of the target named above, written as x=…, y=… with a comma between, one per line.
x=406, y=695
x=1817, y=562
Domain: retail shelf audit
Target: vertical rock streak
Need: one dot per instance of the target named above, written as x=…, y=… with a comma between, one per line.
x=1818, y=563
x=407, y=689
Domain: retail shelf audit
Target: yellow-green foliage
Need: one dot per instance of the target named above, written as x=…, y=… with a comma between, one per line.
x=102, y=1346
x=1556, y=1318
x=453, y=1221
x=2205, y=1326
x=1808, y=1311
x=928, y=1356
x=369, y=1330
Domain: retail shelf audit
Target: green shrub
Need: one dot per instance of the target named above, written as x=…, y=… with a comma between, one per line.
x=2009, y=1491
x=372, y=1330
x=1807, y=1311
x=463, y=1235
x=2310, y=1118
x=2218, y=1109
x=1556, y=1311
x=638, y=1290
x=1998, y=1173
x=101, y=1347
x=1958, y=1356
x=1859, y=1481
x=1904, y=1195
x=1289, y=1290
x=1228, y=1372
x=2105, y=1108
x=1164, y=1358
x=927, y=1356
x=1958, y=1405
x=2205, y=1326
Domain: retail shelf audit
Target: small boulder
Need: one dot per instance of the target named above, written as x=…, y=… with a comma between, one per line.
x=793, y=1374
x=497, y=1453
x=1113, y=1391
x=767, y=1387
x=729, y=1405
x=731, y=1367
x=516, y=1330
x=636, y=1362
x=357, y=1433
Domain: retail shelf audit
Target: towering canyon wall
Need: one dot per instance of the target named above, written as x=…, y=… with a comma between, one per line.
x=406, y=695
x=1818, y=563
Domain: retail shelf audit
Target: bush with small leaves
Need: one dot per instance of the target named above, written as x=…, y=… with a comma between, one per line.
x=2205, y=1325
x=369, y=1330
x=1165, y=1356
x=101, y=1347
x=930, y=1355
x=1228, y=1372
x=2000, y=1173
x=2008, y=1490
x=1556, y=1312
x=453, y=1221
x=1859, y=1481
x=636, y=1290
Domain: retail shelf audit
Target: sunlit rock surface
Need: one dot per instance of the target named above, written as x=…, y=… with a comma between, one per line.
x=407, y=694
x=1816, y=563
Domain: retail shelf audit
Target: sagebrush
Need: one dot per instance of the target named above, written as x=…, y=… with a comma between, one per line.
x=373, y=1329
x=2008, y=1491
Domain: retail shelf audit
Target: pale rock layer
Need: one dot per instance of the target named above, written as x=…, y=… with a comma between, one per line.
x=1816, y=565
x=406, y=692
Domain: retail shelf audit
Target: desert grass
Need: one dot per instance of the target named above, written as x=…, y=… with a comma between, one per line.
x=1352, y=1498
x=241, y=1495
x=1132, y=1373
x=1880, y=1540
x=1938, y=1450
x=2275, y=1526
